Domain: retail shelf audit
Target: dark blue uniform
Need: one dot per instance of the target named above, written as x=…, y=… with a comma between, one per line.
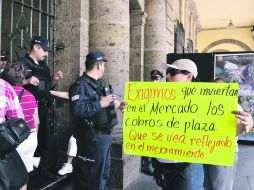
x=93, y=134
x=41, y=71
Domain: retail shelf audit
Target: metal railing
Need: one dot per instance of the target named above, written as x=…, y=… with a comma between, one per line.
x=25, y=20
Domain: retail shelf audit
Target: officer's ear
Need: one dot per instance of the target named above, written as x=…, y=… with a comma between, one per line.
x=37, y=47
x=97, y=66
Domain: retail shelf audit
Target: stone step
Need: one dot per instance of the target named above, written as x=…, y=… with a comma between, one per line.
x=38, y=182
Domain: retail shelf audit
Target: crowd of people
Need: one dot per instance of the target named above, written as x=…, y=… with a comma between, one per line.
x=31, y=77
x=93, y=106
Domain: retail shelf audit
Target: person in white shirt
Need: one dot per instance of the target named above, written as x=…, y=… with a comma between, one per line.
x=222, y=177
x=174, y=175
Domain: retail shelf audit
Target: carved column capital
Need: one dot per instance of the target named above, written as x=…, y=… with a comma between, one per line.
x=138, y=18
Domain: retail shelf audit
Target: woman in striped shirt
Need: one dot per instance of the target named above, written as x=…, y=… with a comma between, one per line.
x=15, y=74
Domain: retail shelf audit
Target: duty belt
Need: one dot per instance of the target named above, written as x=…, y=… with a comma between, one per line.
x=102, y=129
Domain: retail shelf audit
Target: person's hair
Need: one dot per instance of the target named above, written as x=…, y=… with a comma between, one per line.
x=90, y=64
x=15, y=73
x=218, y=79
x=32, y=46
x=197, y=79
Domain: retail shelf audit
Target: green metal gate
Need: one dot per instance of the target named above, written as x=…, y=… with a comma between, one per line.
x=20, y=20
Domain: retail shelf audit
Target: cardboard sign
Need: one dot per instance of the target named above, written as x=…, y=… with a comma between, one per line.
x=189, y=122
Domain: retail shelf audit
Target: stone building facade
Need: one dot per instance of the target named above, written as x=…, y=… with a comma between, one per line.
x=136, y=36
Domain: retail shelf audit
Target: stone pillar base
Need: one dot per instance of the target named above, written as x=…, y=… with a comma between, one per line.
x=124, y=168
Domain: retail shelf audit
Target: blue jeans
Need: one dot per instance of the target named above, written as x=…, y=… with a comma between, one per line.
x=197, y=176
x=178, y=176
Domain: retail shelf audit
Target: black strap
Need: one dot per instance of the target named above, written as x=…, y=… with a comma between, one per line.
x=19, y=97
x=21, y=94
x=93, y=85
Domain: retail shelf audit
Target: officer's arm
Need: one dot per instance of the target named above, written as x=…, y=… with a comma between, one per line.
x=59, y=94
x=80, y=104
x=31, y=81
x=57, y=76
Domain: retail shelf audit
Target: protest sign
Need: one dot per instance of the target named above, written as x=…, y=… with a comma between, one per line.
x=189, y=122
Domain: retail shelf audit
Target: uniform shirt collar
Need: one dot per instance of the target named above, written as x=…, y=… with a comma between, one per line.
x=96, y=82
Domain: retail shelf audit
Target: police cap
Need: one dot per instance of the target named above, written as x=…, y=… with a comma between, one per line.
x=156, y=75
x=96, y=56
x=4, y=55
x=43, y=42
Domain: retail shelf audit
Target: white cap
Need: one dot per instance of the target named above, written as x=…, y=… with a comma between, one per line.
x=182, y=64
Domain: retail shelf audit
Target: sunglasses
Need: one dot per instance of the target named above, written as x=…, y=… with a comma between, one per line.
x=174, y=72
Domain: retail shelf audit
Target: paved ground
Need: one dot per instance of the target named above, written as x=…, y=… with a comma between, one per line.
x=245, y=171
x=244, y=175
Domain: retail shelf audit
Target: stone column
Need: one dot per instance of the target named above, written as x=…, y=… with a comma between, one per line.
x=137, y=26
x=155, y=36
x=72, y=25
x=109, y=32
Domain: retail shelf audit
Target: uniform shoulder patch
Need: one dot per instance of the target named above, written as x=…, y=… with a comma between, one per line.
x=74, y=90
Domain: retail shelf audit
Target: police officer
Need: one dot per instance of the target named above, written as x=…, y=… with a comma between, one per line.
x=156, y=76
x=39, y=82
x=146, y=162
x=93, y=106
